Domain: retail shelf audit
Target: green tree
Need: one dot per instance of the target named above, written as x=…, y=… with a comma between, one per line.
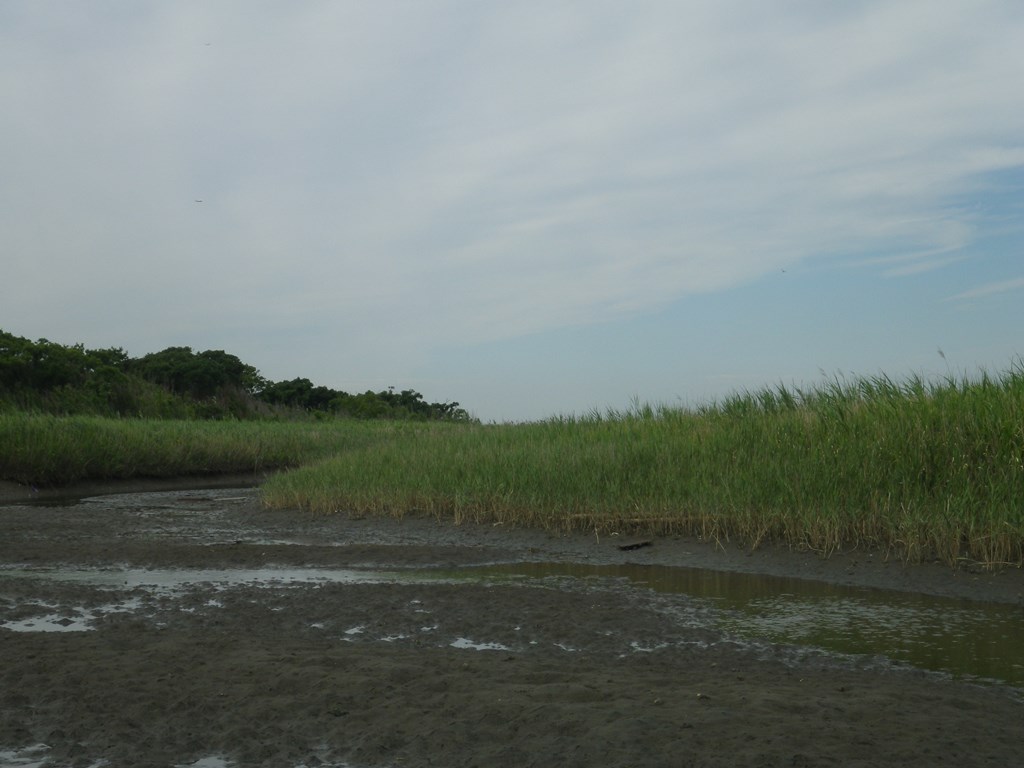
x=199, y=375
x=294, y=393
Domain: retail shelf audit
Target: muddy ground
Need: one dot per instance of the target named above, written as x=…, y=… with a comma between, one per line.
x=421, y=672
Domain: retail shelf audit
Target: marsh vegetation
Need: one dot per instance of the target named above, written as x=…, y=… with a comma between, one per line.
x=47, y=450
x=915, y=469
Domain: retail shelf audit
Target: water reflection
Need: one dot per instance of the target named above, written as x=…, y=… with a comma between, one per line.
x=965, y=638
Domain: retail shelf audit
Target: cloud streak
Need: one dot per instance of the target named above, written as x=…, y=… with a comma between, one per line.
x=989, y=289
x=407, y=173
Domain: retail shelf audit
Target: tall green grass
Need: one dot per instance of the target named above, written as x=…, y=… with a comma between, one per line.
x=921, y=470
x=56, y=450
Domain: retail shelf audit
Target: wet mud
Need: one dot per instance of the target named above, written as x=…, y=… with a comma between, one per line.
x=192, y=627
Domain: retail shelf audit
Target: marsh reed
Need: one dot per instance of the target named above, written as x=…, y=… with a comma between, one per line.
x=45, y=450
x=920, y=470
x=916, y=469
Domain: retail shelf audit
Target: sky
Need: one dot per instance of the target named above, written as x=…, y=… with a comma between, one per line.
x=534, y=208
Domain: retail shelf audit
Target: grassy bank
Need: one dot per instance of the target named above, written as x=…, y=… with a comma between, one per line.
x=48, y=450
x=916, y=469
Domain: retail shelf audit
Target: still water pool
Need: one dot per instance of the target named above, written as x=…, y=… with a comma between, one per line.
x=964, y=638
x=967, y=639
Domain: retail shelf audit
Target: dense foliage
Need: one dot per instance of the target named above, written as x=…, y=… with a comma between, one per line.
x=46, y=377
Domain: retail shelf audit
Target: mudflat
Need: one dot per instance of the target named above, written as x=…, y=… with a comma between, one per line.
x=192, y=627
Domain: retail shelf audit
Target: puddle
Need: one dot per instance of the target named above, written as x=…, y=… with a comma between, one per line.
x=78, y=619
x=37, y=756
x=207, y=762
x=964, y=638
x=466, y=644
x=30, y=495
x=174, y=578
x=69, y=620
x=973, y=640
x=27, y=757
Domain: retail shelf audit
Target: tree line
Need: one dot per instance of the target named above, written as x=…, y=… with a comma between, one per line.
x=178, y=382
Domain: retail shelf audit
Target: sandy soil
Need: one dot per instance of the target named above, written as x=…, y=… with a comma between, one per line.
x=414, y=672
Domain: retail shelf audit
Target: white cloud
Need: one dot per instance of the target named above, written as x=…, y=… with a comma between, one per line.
x=989, y=289
x=410, y=172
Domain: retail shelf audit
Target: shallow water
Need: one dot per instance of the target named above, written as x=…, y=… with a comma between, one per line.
x=36, y=756
x=172, y=578
x=966, y=639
